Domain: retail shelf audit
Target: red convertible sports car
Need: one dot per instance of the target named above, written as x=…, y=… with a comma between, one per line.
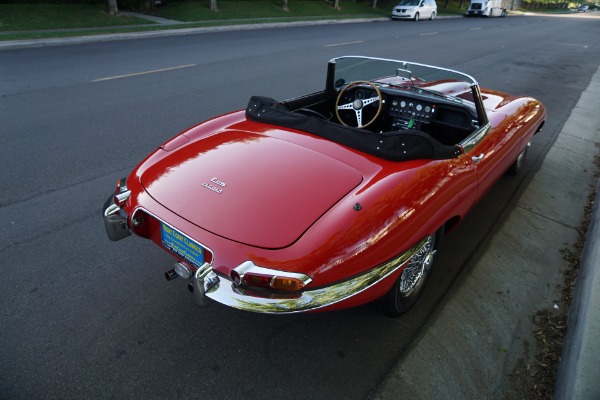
x=329, y=200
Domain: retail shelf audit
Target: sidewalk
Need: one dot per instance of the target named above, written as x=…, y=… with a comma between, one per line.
x=578, y=373
x=152, y=18
x=480, y=342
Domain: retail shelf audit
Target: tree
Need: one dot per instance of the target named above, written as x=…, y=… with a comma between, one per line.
x=112, y=7
x=374, y=3
x=213, y=5
x=336, y=5
x=285, y=5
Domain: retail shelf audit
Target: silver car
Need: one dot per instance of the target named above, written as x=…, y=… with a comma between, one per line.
x=415, y=9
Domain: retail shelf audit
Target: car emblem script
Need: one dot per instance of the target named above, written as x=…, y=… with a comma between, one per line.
x=215, y=185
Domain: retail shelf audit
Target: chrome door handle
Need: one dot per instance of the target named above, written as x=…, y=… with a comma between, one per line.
x=478, y=158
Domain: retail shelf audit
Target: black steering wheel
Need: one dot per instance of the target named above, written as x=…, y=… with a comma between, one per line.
x=358, y=104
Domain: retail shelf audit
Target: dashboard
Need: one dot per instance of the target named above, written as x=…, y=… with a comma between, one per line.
x=410, y=114
x=423, y=112
x=443, y=118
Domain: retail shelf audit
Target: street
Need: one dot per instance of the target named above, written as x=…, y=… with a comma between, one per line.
x=83, y=317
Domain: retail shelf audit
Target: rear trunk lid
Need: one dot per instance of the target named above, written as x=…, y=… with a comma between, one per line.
x=249, y=188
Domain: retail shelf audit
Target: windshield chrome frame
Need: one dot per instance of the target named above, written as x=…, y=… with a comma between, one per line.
x=482, y=119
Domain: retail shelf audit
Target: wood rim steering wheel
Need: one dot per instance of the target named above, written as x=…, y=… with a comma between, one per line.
x=358, y=104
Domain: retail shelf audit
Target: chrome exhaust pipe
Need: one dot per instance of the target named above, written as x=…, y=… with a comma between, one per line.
x=170, y=275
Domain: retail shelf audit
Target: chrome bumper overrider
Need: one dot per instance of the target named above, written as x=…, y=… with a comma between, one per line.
x=115, y=220
x=207, y=284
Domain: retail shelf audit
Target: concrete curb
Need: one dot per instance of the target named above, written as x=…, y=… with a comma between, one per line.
x=578, y=370
x=31, y=43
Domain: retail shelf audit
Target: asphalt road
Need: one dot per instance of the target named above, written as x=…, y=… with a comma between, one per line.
x=82, y=317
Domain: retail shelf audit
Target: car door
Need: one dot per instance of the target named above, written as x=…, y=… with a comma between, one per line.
x=430, y=5
x=492, y=151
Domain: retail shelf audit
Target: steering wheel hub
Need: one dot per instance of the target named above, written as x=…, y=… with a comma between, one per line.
x=358, y=104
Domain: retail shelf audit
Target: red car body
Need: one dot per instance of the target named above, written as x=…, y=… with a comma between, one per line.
x=271, y=209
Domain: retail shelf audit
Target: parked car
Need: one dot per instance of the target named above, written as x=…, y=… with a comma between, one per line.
x=583, y=8
x=329, y=200
x=486, y=8
x=415, y=10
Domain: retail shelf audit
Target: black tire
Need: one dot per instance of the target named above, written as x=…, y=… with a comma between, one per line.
x=518, y=164
x=432, y=17
x=410, y=284
x=416, y=18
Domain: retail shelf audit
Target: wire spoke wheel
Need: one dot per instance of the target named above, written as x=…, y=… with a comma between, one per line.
x=416, y=271
x=408, y=287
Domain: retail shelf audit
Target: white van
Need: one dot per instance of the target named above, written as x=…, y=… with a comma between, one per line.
x=486, y=8
x=415, y=9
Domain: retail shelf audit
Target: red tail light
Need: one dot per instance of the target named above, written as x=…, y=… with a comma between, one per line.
x=250, y=275
x=257, y=280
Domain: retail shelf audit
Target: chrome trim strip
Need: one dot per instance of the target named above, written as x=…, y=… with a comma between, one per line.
x=472, y=140
x=223, y=290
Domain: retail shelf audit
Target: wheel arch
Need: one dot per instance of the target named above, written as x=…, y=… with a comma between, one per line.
x=449, y=226
x=539, y=128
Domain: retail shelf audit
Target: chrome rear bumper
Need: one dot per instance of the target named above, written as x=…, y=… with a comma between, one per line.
x=115, y=220
x=207, y=284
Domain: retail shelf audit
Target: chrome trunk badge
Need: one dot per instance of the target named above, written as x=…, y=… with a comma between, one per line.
x=216, y=185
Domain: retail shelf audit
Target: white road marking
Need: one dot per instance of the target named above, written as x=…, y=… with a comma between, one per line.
x=573, y=44
x=143, y=73
x=344, y=44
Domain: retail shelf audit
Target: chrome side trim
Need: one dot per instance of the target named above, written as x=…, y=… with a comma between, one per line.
x=223, y=290
x=473, y=139
x=115, y=220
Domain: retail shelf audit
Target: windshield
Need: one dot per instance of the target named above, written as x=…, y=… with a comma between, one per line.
x=409, y=3
x=351, y=69
x=403, y=75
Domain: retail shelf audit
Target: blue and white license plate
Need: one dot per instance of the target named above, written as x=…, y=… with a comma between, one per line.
x=181, y=245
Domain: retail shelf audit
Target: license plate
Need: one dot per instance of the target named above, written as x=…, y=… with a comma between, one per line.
x=181, y=245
